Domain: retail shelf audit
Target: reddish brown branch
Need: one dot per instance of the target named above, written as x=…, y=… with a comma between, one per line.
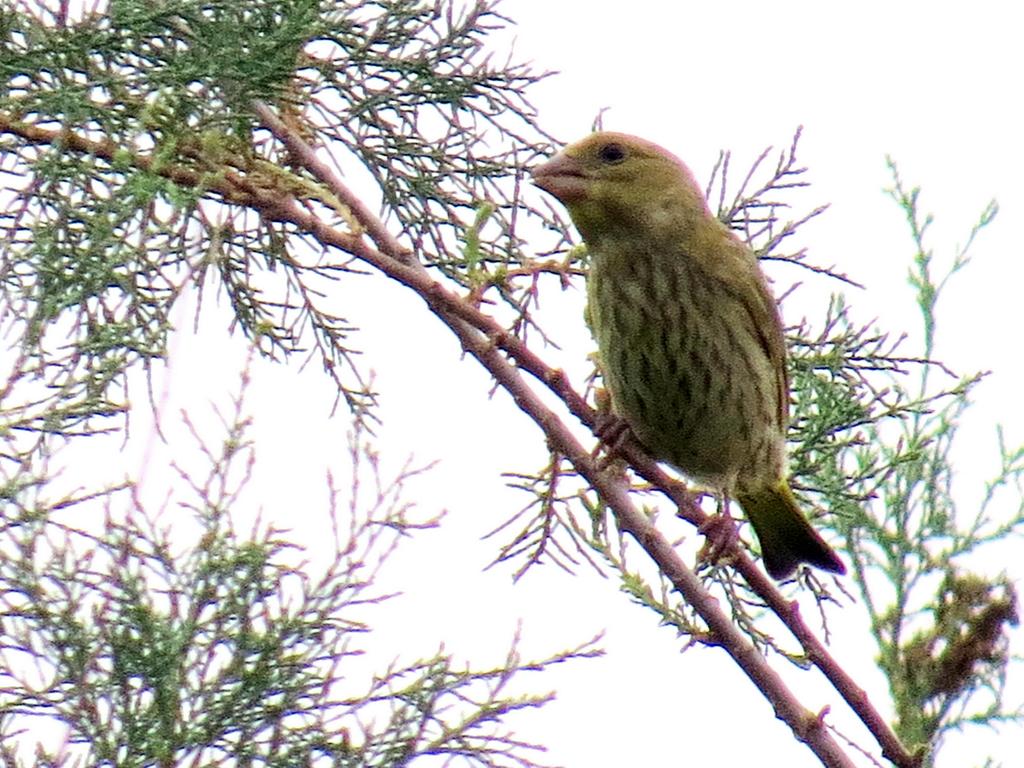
x=448, y=305
x=484, y=338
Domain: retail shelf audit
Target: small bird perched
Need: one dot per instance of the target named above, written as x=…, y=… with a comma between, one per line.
x=688, y=333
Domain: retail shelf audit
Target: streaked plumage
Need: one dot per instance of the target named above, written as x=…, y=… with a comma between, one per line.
x=688, y=333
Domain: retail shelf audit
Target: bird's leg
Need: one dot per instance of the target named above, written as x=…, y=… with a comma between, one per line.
x=613, y=432
x=719, y=531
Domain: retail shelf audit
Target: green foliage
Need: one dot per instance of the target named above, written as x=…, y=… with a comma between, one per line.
x=132, y=159
x=167, y=638
x=131, y=155
x=872, y=440
x=97, y=246
x=939, y=615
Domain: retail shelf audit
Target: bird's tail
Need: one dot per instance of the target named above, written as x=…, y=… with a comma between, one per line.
x=786, y=537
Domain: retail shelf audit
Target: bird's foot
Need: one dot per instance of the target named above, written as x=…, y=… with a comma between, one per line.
x=721, y=537
x=613, y=433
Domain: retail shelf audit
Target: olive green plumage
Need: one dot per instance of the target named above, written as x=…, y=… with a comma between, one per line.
x=688, y=333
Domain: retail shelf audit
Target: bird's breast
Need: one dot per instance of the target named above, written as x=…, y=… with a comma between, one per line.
x=682, y=365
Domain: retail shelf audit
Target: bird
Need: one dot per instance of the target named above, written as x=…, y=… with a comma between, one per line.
x=689, y=338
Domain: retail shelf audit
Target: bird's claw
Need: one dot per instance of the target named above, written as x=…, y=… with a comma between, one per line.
x=613, y=433
x=721, y=537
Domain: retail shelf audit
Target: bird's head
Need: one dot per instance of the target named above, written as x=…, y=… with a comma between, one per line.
x=613, y=183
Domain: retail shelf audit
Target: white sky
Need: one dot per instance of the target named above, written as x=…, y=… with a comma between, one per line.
x=937, y=85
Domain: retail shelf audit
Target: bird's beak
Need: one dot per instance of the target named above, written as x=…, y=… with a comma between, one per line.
x=563, y=177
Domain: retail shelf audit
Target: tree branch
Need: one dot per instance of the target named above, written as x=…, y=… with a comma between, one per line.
x=449, y=307
x=484, y=338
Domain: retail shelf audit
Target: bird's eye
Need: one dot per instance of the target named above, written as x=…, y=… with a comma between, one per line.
x=612, y=153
